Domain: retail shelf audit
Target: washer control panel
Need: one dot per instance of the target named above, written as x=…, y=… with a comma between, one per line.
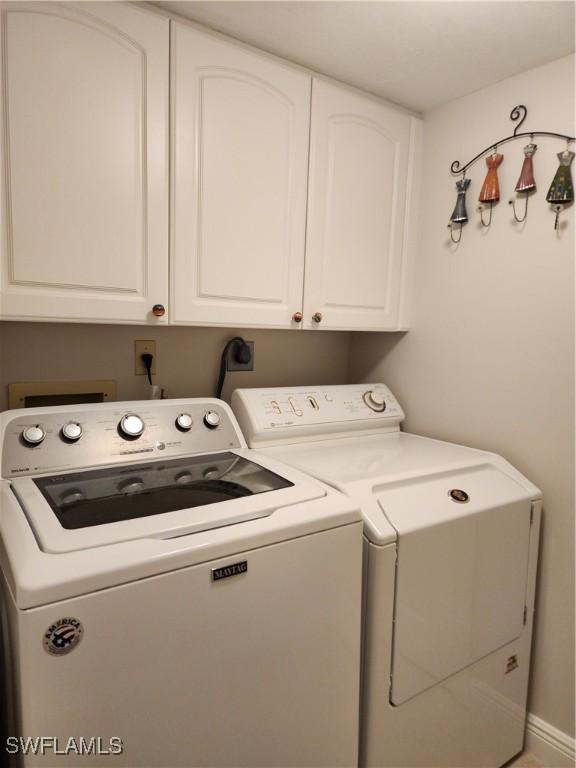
x=268, y=416
x=38, y=440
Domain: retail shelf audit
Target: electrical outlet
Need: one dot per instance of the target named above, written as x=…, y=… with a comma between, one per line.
x=234, y=365
x=141, y=348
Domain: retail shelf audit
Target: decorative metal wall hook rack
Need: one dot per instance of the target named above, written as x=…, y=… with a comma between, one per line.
x=518, y=115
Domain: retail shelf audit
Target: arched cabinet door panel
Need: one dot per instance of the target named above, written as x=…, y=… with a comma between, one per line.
x=85, y=170
x=240, y=154
x=360, y=165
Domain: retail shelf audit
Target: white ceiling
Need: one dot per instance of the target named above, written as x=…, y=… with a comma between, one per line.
x=416, y=53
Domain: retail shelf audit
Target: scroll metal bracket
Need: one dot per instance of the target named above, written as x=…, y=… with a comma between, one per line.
x=517, y=115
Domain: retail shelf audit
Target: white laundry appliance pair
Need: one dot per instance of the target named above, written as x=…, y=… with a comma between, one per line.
x=170, y=597
x=450, y=555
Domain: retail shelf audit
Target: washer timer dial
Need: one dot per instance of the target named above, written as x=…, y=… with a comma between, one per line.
x=131, y=426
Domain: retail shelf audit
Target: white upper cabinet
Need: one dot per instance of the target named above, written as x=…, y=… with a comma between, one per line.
x=240, y=164
x=356, y=246
x=85, y=162
x=290, y=197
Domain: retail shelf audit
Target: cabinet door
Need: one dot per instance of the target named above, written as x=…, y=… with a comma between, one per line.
x=240, y=156
x=85, y=162
x=355, y=248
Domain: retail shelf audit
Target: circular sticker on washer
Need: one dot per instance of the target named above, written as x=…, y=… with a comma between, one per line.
x=458, y=495
x=62, y=636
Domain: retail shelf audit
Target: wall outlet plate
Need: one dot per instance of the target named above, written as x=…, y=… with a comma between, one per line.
x=140, y=348
x=233, y=365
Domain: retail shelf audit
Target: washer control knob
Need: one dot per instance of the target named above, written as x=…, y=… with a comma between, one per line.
x=374, y=400
x=34, y=434
x=71, y=431
x=211, y=419
x=131, y=425
x=184, y=422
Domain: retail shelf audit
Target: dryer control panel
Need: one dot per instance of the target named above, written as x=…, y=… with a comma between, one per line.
x=291, y=414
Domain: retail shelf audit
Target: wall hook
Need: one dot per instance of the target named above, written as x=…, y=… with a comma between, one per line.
x=557, y=209
x=512, y=202
x=451, y=228
x=481, y=209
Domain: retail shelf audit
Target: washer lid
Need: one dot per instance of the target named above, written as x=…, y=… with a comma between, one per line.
x=463, y=541
x=159, y=499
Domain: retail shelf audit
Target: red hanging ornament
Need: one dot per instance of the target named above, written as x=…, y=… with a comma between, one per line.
x=490, y=192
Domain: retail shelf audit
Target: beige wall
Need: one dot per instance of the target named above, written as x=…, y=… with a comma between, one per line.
x=490, y=359
x=188, y=358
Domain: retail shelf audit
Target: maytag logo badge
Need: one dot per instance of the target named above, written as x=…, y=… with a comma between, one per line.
x=234, y=569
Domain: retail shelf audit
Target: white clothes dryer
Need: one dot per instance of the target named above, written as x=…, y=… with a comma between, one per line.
x=450, y=553
x=170, y=597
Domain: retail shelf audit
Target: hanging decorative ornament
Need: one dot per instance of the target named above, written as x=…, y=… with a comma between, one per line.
x=459, y=214
x=561, y=190
x=490, y=192
x=526, y=183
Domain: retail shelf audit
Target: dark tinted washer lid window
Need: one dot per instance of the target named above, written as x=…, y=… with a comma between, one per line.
x=96, y=497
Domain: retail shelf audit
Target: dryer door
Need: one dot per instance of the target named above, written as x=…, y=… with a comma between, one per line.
x=461, y=572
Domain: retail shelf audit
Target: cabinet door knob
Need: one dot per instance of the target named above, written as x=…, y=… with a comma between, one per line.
x=297, y=317
x=158, y=310
x=317, y=317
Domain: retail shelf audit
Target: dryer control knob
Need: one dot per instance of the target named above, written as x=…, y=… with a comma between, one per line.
x=131, y=426
x=34, y=434
x=211, y=419
x=184, y=422
x=72, y=431
x=374, y=400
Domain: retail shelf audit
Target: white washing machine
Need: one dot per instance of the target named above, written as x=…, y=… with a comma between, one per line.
x=450, y=555
x=170, y=597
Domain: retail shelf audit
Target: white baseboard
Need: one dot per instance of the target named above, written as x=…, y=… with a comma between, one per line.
x=551, y=747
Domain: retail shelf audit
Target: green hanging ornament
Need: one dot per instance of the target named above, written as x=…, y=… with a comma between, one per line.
x=561, y=190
